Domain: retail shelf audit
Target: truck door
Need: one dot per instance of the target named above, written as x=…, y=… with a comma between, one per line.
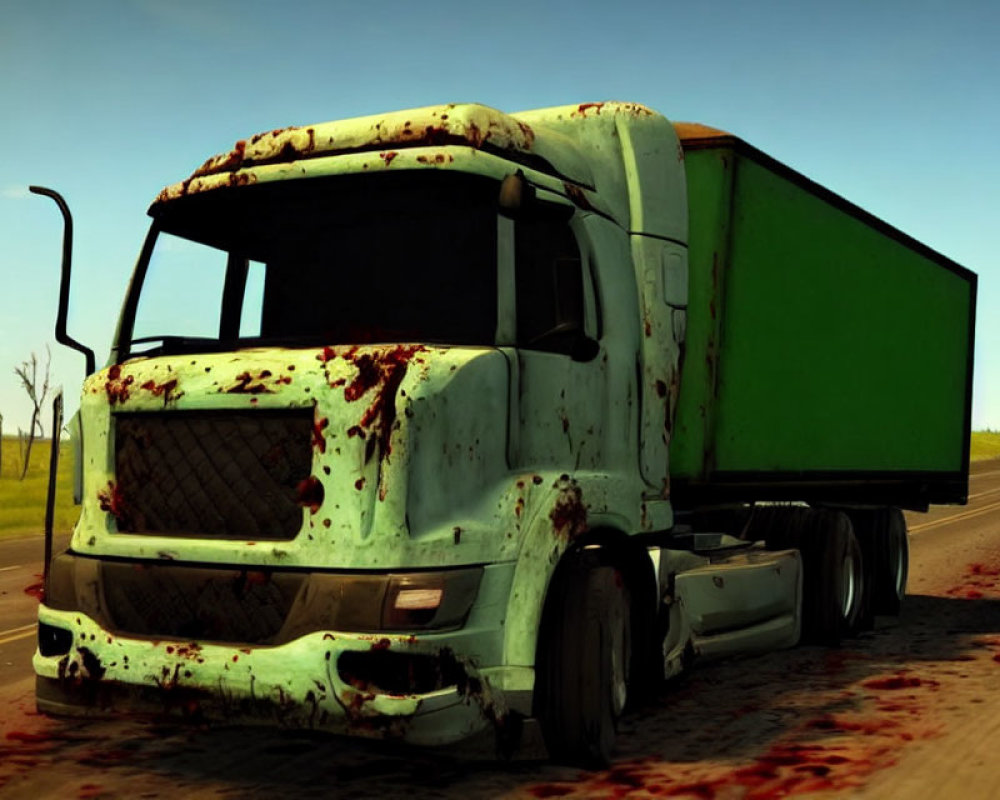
x=559, y=394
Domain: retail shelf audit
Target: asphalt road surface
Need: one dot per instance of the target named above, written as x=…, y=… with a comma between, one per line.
x=910, y=710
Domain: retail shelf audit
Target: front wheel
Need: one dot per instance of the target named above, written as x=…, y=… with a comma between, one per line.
x=583, y=664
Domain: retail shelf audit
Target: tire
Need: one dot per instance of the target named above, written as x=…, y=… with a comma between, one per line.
x=583, y=665
x=833, y=599
x=881, y=532
x=833, y=593
x=891, y=563
x=864, y=522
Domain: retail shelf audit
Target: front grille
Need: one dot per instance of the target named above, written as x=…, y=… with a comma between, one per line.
x=219, y=475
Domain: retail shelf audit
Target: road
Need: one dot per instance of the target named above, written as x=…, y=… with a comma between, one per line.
x=20, y=569
x=908, y=710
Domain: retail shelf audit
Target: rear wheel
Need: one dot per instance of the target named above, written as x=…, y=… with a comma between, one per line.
x=583, y=665
x=891, y=562
x=833, y=580
x=838, y=589
x=881, y=532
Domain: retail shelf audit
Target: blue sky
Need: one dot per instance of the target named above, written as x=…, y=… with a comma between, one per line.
x=894, y=105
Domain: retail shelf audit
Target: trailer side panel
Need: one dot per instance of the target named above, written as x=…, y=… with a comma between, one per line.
x=829, y=356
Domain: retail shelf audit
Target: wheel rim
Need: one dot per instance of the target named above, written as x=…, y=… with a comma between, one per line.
x=898, y=566
x=848, y=586
x=620, y=651
x=619, y=686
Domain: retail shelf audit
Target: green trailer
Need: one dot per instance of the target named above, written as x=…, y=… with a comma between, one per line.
x=447, y=423
x=828, y=355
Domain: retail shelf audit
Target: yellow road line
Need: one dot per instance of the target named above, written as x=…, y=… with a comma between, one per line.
x=955, y=517
x=14, y=634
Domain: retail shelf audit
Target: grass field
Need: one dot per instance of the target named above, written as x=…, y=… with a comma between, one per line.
x=985, y=444
x=22, y=503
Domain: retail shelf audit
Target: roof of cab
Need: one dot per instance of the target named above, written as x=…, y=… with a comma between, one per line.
x=468, y=124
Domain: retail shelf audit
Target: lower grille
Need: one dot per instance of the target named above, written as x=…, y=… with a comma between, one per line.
x=197, y=603
x=221, y=475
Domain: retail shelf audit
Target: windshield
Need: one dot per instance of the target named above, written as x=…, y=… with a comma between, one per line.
x=403, y=257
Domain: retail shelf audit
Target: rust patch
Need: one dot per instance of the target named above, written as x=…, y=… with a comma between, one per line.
x=527, y=132
x=241, y=178
x=595, y=109
x=577, y=195
x=439, y=158
x=165, y=390
x=380, y=372
x=382, y=411
x=424, y=127
x=249, y=384
x=231, y=160
x=569, y=514
x=112, y=501
x=91, y=664
x=326, y=354
x=369, y=374
x=190, y=651
x=274, y=134
x=354, y=701
x=318, y=438
x=309, y=494
x=116, y=386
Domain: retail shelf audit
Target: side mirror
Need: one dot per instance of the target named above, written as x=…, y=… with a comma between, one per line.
x=516, y=195
x=67, y=257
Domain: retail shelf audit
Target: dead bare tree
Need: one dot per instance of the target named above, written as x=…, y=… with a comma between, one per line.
x=28, y=373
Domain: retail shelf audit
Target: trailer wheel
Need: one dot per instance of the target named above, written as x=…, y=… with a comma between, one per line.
x=891, y=562
x=833, y=580
x=583, y=665
x=864, y=523
x=881, y=532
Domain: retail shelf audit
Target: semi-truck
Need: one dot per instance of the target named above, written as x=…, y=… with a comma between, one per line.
x=451, y=423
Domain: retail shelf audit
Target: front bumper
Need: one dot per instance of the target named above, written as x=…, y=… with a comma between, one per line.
x=301, y=684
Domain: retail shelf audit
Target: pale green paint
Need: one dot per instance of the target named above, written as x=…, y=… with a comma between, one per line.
x=482, y=438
